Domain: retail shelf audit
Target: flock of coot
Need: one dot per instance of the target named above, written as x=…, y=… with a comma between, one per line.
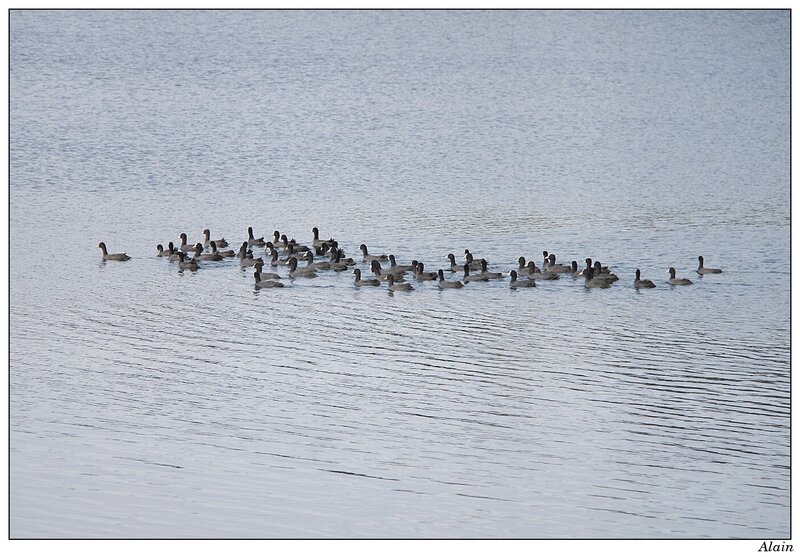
x=284, y=255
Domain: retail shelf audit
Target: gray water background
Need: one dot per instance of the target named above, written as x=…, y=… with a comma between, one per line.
x=146, y=402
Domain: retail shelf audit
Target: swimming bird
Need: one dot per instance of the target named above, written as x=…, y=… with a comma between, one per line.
x=292, y=244
x=364, y=282
x=454, y=267
x=701, y=270
x=474, y=278
x=575, y=271
x=474, y=264
x=294, y=272
x=393, y=266
x=338, y=264
x=375, y=266
x=274, y=261
x=334, y=245
x=552, y=267
x=288, y=251
x=316, y=242
x=253, y=241
x=321, y=266
x=163, y=252
x=221, y=243
x=261, y=282
x=420, y=274
x=677, y=281
x=517, y=283
x=248, y=260
x=174, y=255
x=200, y=256
x=185, y=246
x=642, y=283
x=530, y=269
x=448, y=283
x=395, y=287
x=368, y=257
x=589, y=264
x=191, y=265
x=485, y=273
x=338, y=256
x=259, y=266
x=599, y=273
x=596, y=282
x=540, y=274
x=223, y=253
x=323, y=249
x=309, y=268
x=282, y=242
x=112, y=256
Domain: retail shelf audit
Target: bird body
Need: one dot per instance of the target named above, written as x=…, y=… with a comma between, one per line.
x=401, y=287
x=112, y=256
x=474, y=264
x=368, y=257
x=540, y=274
x=316, y=242
x=338, y=257
x=248, y=260
x=472, y=278
x=677, y=281
x=185, y=246
x=393, y=266
x=252, y=241
x=294, y=272
x=292, y=244
x=364, y=282
x=378, y=271
x=200, y=256
x=261, y=282
x=174, y=255
x=191, y=265
x=703, y=270
x=448, y=283
x=575, y=271
x=554, y=268
x=485, y=273
x=420, y=274
x=454, y=267
x=221, y=243
x=642, y=283
x=259, y=266
x=596, y=282
x=520, y=283
x=274, y=261
x=321, y=266
x=224, y=253
x=589, y=264
x=163, y=252
x=599, y=273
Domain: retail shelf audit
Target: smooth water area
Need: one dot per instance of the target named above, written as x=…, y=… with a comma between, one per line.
x=148, y=402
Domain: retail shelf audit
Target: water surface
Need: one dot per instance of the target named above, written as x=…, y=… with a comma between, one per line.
x=146, y=402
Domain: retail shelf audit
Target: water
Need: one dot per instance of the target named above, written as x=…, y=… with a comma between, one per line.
x=146, y=402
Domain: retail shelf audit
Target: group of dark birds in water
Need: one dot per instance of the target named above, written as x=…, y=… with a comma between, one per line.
x=283, y=252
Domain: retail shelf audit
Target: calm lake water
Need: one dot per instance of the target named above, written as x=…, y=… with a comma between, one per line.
x=148, y=402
